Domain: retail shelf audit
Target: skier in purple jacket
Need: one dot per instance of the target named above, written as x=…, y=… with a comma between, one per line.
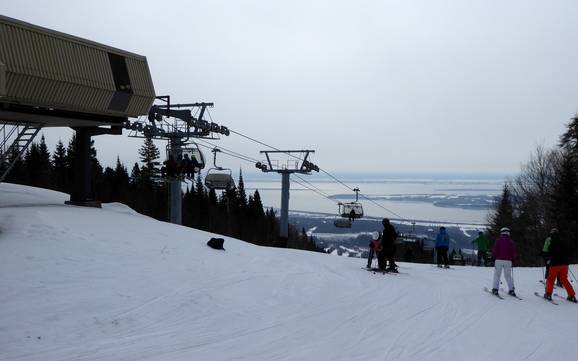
x=504, y=252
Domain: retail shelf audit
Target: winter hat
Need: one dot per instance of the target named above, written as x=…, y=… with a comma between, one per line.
x=505, y=230
x=375, y=235
x=385, y=221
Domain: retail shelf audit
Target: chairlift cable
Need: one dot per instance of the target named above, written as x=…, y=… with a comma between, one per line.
x=316, y=189
x=312, y=188
x=304, y=183
x=324, y=171
x=230, y=152
x=227, y=152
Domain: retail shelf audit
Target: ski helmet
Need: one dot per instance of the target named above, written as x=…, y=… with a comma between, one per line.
x=554, y=230
x=375, y=235
x=505, y=230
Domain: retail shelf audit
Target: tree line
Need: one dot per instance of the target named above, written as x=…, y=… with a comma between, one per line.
x=543, y=196
x=231, y=212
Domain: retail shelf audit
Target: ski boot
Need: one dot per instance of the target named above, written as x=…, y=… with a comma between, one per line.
x=446, y=266
x=548, y=296
x=572, y=299
x=512, y=293
x=392, y=270
x=495, y=291
x=439, y=266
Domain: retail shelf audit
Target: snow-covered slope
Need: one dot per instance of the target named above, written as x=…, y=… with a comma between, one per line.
x=110, y=284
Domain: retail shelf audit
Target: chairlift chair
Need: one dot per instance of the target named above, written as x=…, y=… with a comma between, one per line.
x=351, y=210
x=218, y=178
x=342, y=223
x=194, y=152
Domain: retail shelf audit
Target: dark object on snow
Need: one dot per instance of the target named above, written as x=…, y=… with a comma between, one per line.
x=216, y=243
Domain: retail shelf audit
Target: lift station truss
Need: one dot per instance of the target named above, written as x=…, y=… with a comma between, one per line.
x=298, y=164
x=180, y=124
x=176, y=121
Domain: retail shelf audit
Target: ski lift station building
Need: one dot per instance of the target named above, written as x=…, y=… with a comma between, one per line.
x=52, y=79
x=56, y=79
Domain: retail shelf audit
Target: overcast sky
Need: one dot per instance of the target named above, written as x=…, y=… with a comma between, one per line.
x=385, y=86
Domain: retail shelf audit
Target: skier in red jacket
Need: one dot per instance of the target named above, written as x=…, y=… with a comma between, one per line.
x=374, y=247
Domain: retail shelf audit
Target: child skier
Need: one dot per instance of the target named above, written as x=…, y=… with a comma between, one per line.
x=504, y=252
x=374, y=247
x=558, y=267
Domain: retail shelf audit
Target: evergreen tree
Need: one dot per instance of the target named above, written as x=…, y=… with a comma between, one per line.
x=257, y=207
x=32, y=163
x=241, y=194
x=504, y=213
x=135, y=175
x=45, y=169
x=564, y=204
x=149, y=153
x=18, y=173
x=569, y=140
x=59, y=164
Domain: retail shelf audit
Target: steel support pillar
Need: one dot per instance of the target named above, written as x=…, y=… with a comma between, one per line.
x=175, y=190
x=284, y=230
x=81, y=193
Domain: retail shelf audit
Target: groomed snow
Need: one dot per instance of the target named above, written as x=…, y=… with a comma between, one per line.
x=110, y=284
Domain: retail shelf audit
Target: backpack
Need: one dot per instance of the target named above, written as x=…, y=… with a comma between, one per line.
x=216, y=243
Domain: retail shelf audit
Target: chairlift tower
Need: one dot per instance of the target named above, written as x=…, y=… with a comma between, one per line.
x=179, y=124
x=301, y=165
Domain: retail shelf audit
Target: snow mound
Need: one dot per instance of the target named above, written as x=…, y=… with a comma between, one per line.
x=103, y=284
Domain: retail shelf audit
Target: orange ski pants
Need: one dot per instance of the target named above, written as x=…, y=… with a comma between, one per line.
x=562, y=272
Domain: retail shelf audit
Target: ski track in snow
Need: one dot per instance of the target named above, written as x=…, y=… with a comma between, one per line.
x=109, y=284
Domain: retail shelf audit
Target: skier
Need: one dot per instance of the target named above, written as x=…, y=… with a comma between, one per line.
x=387, y=253
x=547, y=256
x=504, y=252
x=483, y=247
x=558, y=267
x=442, y=246
x=187, y=166
x=180, y=165
x=374, y=247
x=170, y=167
x=352, y=215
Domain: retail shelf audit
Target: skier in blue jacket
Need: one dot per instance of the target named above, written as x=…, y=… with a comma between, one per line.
x=442, y=246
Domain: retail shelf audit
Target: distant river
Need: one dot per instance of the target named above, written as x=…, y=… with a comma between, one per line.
x=451, y=199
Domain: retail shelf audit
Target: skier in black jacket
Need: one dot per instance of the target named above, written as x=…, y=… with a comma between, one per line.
x=387, y=253
x=559, y=266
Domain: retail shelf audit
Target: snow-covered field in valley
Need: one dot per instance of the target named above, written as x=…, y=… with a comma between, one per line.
x=110, y=284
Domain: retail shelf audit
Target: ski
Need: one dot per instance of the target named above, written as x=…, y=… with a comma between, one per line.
x=377, y=270
x=490, y=292
x=562, y=297
x=435, y=266
x=542, y=297
x=515, y=296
